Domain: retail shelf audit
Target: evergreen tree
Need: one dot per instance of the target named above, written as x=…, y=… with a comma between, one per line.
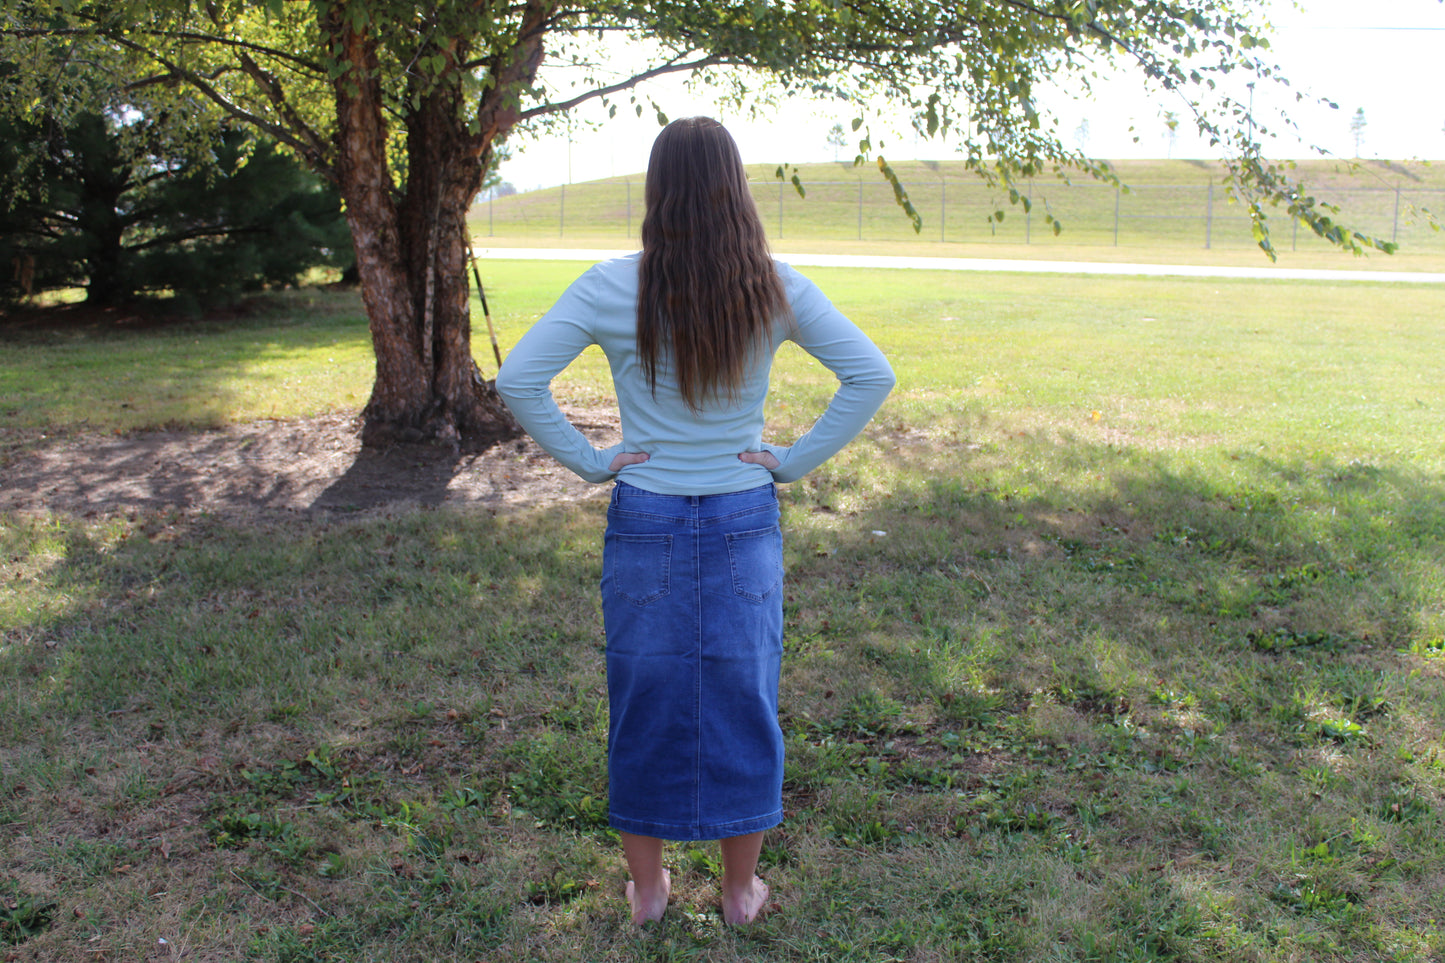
x=237, y=216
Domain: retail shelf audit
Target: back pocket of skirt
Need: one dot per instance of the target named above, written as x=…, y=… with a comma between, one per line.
x=640, y=566
x=757, y=561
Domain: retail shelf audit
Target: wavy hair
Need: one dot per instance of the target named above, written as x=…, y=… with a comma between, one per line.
x=708, y=292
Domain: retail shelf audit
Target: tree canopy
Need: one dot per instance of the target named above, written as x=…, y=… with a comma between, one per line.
x=402, y=105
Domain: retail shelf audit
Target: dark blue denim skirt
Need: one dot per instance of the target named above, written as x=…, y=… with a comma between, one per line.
x=692, y=604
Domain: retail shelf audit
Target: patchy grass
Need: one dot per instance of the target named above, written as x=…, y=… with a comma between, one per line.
x=1117, y=637
x=293, y=353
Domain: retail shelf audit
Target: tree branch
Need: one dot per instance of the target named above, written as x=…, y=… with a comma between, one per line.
x=224, y=41
x=272, y=87
x=282, y=134
x=195, y=233
x=512, y=70
x=672, y=67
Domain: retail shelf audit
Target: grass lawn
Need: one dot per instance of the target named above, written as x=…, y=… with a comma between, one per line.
x=1119, y=636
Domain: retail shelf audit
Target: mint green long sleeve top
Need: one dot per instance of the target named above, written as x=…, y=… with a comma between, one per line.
x=689, y=452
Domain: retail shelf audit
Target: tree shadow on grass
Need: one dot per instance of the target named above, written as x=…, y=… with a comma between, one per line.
x=1129, y=683
x=75, y=368
x=291, y=691
x=1145, y=570
x=1174, y=669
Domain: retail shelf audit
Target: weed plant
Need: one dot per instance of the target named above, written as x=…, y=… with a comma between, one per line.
x=1116, y=637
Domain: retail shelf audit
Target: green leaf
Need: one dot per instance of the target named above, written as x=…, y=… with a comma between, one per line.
x=900, y=194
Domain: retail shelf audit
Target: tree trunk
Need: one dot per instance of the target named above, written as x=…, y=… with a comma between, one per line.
x=411, y=257
x=102, y=178
x=108, y=281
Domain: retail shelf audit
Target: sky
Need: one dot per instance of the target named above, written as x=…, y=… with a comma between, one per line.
x=1382, y=57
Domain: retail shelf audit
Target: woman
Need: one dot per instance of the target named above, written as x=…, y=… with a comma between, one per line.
x=692, y=557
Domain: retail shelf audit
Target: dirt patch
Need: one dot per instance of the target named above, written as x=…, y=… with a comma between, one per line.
x=311, y=464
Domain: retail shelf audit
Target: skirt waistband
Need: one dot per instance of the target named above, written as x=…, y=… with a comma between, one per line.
x=630, y=498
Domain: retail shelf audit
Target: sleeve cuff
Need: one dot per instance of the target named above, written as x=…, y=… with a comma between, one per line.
x=604, y=470
x=781, y=453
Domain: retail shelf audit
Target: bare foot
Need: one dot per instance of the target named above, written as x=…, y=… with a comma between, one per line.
x=746, y=906
x=647, y=907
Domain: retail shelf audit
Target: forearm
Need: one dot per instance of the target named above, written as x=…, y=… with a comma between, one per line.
x=525, y=383
x=852, y=407
x=537, y=412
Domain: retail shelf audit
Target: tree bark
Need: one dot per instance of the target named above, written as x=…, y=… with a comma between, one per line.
x=411, y=256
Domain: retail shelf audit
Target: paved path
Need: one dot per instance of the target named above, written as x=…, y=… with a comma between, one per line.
x=999, y=265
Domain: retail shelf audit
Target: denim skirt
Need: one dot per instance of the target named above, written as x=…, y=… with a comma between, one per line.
x=692, y=605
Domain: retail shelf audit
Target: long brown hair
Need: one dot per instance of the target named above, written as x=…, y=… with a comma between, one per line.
x=707, y=289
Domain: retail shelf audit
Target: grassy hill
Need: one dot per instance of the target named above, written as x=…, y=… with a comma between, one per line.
x=1171, y=209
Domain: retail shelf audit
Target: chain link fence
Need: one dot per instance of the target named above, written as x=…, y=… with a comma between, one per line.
x=965, y=211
